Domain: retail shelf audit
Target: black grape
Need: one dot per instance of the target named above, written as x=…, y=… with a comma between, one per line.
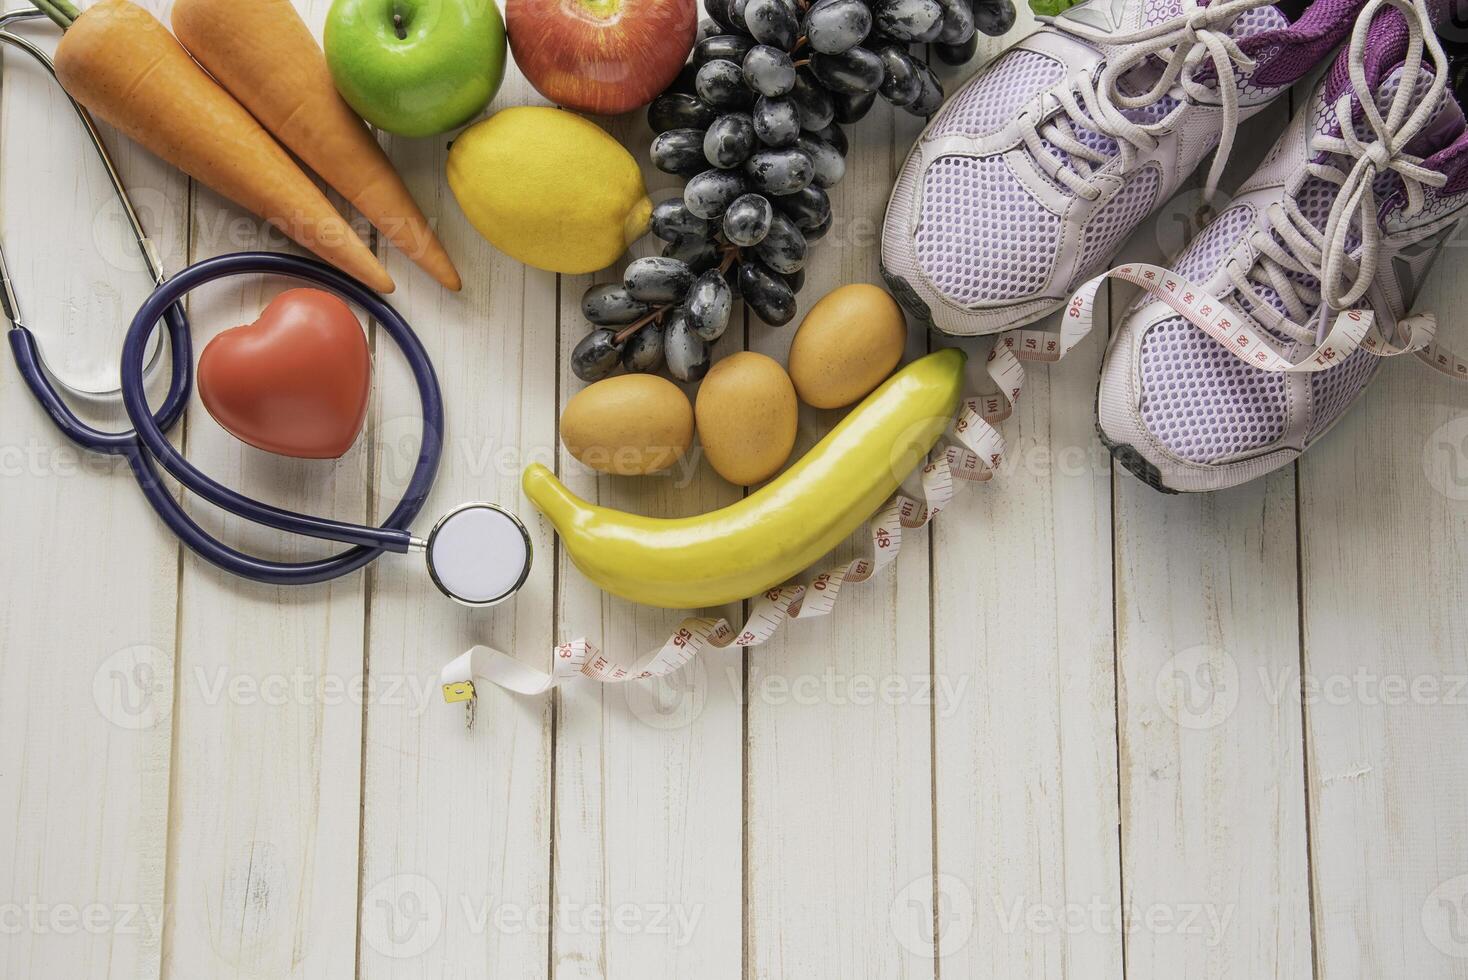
x=766, y=293
x=694, y=251
x=837, y=26
x=851, y=108
x=609, y=304
x=677, y=110
x=994, y=17
x=828, y=165
x=709, y=303
x=747, y=220
x=679, y=151
x=854, y=72
x=776, y=121
x=643, y=351
x=721, y=47
x=772, y=22
x=914, y=21
x=784, y=247
x=659, y=280
x=721, y=85
x=672, y=219
x=769, y=71
x=958, y=22
x=901, y=83
x=688, y=353
x=807, y=208
x=780, y=171
x=728, y=142
x=931, y=97
x=596, y=355
x=708, y=194
x=812, y=101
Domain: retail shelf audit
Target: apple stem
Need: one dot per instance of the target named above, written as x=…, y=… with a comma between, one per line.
x=399, y=28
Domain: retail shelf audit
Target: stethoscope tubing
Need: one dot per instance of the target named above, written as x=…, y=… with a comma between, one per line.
x=147, y=441
x=28, y=359
x=153, y=444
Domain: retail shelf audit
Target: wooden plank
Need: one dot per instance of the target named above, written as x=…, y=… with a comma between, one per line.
x=1213, y=843
x=1025, y=742
x=649, y=777
x=456, y=823
x=88, y=582
x=839, y=770
x=263, y=836
x=1383, y=527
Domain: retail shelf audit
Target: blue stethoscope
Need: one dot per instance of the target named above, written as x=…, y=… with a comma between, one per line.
x=477, y=554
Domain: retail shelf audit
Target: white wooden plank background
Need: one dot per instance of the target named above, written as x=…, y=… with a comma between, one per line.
x=1132, y=736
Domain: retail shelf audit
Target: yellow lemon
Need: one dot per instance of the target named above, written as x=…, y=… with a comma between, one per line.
x=549, y=188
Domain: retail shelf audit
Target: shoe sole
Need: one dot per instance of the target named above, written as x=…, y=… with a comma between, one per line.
x=1126, y=455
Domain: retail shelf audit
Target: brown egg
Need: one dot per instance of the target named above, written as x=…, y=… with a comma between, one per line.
x=629, y=425
x=847, y=344
x=747, y=416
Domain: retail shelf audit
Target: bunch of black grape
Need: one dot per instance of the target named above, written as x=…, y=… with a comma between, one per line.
x=754, y=124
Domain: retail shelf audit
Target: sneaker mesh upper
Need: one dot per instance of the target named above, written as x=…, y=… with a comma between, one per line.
x=1205, y=254
x=1112, y=223
x=982, y=236
x=1201, y=401
x=998, y=94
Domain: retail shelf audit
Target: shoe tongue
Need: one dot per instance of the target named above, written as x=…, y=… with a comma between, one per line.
x=1115, y=16
x=1442, y=129
x=1382, y=61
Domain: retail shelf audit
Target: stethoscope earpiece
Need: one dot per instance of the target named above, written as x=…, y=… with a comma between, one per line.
x=478, y=554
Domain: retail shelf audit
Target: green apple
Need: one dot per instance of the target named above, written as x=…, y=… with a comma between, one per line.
x=416, y=67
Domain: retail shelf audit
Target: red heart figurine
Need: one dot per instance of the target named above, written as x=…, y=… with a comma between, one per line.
x=294, y=382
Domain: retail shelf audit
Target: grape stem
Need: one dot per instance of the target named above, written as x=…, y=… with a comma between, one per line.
x=731, y=252
x=626, y=332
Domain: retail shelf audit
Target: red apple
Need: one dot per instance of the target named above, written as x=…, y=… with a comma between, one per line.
x=601, y=56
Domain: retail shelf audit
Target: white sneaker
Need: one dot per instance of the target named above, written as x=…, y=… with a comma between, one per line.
x=1033, y=174
x=1240, y=357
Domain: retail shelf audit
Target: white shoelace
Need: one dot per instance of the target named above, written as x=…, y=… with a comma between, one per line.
x=1294, y=247
x=1297, y=248
x=1097, y=102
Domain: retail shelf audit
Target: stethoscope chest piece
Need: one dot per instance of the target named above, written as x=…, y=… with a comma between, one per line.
x=478, y=554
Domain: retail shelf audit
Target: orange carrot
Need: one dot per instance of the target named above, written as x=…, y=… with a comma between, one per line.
x=122, y=64
x=264, y=54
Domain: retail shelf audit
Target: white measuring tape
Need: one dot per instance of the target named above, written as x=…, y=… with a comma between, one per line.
x=1241, y=335
x=976, y=454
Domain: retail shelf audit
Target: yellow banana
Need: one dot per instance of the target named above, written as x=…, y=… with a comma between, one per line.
x=777, y=531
